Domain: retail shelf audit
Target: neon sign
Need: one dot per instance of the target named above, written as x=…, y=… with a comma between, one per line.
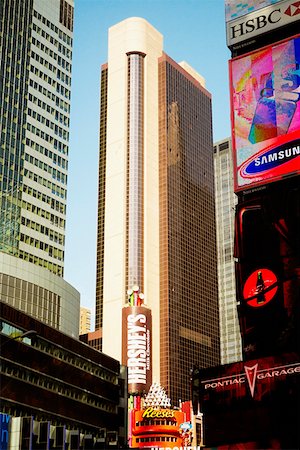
x=4, y=431
x=260, y=288
x=151, y=413
x=250, y=376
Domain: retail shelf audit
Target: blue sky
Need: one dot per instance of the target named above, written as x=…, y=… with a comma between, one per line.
x=194, y=31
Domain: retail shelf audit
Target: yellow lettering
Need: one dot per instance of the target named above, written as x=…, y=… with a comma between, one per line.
x=151, y=413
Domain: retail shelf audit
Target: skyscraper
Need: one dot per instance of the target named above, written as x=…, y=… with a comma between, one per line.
x=36, y=61
x=85, y=320
x=226, y=200
x=156, y=224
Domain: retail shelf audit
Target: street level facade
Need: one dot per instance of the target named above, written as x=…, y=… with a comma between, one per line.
x=57, y=392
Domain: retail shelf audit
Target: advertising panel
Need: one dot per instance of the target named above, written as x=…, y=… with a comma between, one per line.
x=136, y=347
x=265, y=114
x=160, y=429
x=267, y=260
x=236, y=8
x=4, y=431
x=260, y=21
x=254, y=401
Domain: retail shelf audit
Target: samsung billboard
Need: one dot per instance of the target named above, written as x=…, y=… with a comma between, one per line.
x=259, y=21
x=265, y=114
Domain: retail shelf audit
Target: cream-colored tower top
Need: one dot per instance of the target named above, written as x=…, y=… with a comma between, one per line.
x=193, y=73
x=135, y=35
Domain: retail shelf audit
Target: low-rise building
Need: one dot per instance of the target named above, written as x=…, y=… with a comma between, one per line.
x=56, y=389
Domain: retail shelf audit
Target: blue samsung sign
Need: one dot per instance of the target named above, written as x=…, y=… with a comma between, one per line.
x=274, y=158
x=4, y=424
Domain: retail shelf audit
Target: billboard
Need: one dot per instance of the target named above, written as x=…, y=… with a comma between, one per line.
x=251, y=402
x=265, y=114
x=236, y=8
x=251, y=21
x=136, y=347
x=160, y=429
x=4, y=431
x=267, y=260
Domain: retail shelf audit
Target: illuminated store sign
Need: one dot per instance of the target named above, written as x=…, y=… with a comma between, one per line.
x=177, y=448
x=157, y=425
x=260, y=395
x=261, y=21
x=136, y=353
x=265, y=114
x=4, y=431
x=151, y=413
x=260, y=288
x=251, y=376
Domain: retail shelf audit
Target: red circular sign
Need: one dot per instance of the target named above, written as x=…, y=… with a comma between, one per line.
x=256, y=290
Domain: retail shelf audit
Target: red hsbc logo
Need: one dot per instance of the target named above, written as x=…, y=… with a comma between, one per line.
x=293, y=10
x=261, y=21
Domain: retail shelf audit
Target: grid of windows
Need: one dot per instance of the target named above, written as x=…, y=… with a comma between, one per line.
x=135, y=171
x=189, y=291
x=164, y=422
x=38, y=379
x=53, y=171
x=81, y=395
x=157, y=439
x=59, y=161
x=101, y=202
x=225, y=209
x=58, y=102
x=66, y=14
x=85, y=321
x=48, y=40
x=15, y=35
x=36, y=70
x=63, y=119
x=31, y=298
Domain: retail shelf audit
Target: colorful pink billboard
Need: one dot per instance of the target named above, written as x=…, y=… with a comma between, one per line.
x=265, y=114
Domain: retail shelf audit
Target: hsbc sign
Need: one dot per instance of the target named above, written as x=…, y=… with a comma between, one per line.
x=261, y=21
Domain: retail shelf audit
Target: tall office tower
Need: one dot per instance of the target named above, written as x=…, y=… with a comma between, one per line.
x=85, y=320
x=156, y=226
x=230, y=337
x=35, y=71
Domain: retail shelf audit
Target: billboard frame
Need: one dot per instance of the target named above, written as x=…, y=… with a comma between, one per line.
x=273, y=143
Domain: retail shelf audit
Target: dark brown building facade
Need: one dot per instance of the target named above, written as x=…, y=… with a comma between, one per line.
x=188, y=268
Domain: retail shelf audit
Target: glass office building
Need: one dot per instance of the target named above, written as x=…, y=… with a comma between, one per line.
x=225, y=211
x=36, y=61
